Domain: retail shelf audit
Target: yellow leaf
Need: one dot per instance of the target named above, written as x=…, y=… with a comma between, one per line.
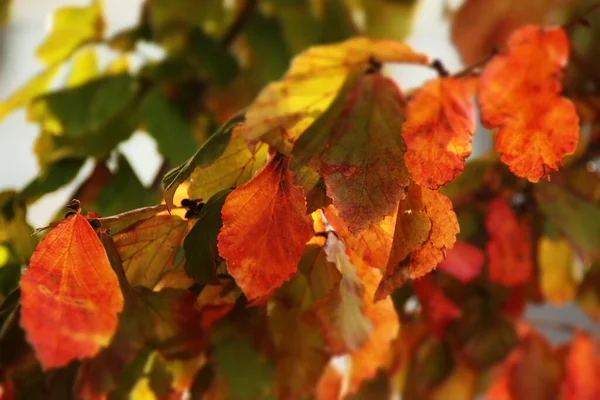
x=556, y=263
x=71, y=28
x=4, y=255
x=284, y=109
x=84, y=67
x=235, y=166
x=36, y=86
x=459, y=385
x=142, y=391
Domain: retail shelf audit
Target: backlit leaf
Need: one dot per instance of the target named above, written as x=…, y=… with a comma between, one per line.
x=84, y=67
x=265, y=229
x=357, y=147
x=235, y=166
x=284, y=109
x=440, y=123
x=148, y=249
x=71, y=28
x=426, y=226
x=520, y=94
x=70, y=295
x=509, y=248
x=439, y=310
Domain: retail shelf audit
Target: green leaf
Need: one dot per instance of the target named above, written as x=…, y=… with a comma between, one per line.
x=576, y=216
x=84, y=110
x=52, y=178
x=14, y=229
x=432, y=363
x=172, y=132
x=200, y=244
x=210, y=151
x=211, y=57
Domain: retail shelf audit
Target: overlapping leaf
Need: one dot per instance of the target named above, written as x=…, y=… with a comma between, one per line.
x=70, y=295
x=148, y=248
x=520, y=93
x=440, y=123
x=356, y=145
x=265, y=229
x=425, y=227
x=509, y=248
x=284, y=109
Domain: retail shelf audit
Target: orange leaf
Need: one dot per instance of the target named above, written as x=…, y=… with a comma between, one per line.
x=426, y=226
x=357, y=147
x=582, y=368
x=284, y=109
x=463, y=261
x=509, y=248
x=438, y=309
x=520, y=95
x=330, y=385
x=265, y=229
x=70, y=295
x=440, y=123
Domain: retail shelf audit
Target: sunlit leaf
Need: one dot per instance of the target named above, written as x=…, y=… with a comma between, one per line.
x=520, y=93
x=440, y=123
x=71, y=28
x=235, y=166
x=284, y=109
x=84, y=67
x=509, y=249
x=357, y=147
x=425, y=227
x=262, y=252
x=70, y=295
x=210, y=151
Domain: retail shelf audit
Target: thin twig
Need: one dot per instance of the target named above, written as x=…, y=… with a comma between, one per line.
x=582, y=19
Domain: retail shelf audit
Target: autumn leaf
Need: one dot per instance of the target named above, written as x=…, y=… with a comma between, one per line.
x=235, y=166
x=265, y=229
x=284, y=109
x=480, y=26
x=372, y=245
x=509, y=248
x=463, y=261
x=438, y=309
x=425, y=227
x=148, y=249
x=70, y=295
x=440, y=123
x=356, y=145
x=71, y=28
x=582, y=366
x=556, y=264
x=520, y=93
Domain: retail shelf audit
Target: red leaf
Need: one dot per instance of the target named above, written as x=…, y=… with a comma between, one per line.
x=265, y=230
x=440, y=123
x=439, y=310
x=463, y=261
x=520, y=94
x=70, y=295
x=509, y=248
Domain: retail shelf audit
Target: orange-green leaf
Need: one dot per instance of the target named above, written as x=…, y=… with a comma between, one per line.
x=440, y=123
x=265, y=229
x=148, y=248
x=520, y=94
x=426, y=226
x=357, y=147
x=70, y=295
x=284, y=109
x=509, y=248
